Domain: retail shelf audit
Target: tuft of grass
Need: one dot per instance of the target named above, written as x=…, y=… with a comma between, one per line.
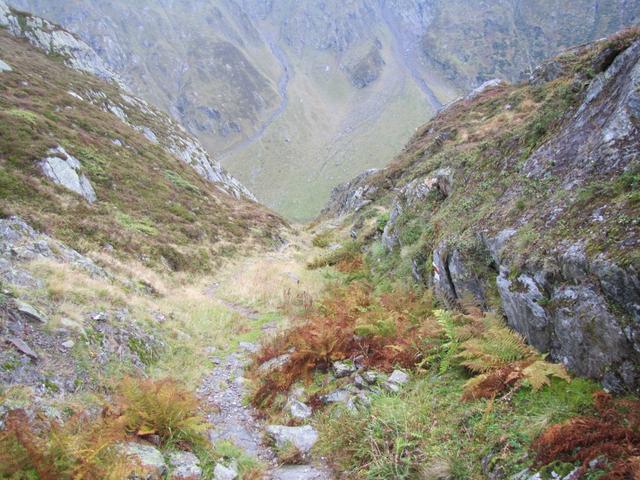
x=164, y=408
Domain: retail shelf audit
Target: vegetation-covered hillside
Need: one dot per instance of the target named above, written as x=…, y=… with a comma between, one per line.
x=150, y=203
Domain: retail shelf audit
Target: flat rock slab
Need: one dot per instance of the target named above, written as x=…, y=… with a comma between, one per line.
x=303, y=438
x=22, y=347
x=301, y=472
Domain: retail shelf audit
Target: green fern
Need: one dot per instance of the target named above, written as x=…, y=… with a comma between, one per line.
x=451, y=345
x=497, y=347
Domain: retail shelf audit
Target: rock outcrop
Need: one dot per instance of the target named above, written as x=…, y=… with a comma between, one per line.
x=65, y=170
x=571, y=291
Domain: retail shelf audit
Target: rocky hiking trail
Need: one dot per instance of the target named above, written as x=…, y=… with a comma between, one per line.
x=224, y=392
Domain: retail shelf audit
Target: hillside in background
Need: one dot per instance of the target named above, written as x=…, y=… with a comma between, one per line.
x=296, y=97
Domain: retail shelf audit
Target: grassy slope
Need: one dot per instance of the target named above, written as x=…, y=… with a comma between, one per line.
x=149, y=203
x=329, y=133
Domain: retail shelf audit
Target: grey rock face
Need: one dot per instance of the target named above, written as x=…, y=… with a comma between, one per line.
x=352, y=196
x=19, y=243
x=22, y=347
x=184, y=466
x=604, y=135
x=303, y=438
x=566, y=311
x=64, y=169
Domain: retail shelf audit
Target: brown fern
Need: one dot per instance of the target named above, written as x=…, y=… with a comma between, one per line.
x=613, y=434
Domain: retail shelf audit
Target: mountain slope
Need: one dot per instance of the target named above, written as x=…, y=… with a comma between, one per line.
x=524, y=200
x=127, y=175
x=299, y=96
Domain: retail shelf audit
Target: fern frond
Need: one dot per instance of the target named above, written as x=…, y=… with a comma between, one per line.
x=538, y=374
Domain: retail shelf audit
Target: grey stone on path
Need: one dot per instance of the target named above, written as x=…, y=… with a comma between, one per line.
x=303, y=438
x=301, y=472
x=146, y=457
x=185, y=466
x=224, y=473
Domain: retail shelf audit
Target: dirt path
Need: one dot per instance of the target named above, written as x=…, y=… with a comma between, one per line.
x=225, y=388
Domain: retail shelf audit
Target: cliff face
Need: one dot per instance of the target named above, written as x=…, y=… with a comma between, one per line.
x=319, y=90
x=524, y=199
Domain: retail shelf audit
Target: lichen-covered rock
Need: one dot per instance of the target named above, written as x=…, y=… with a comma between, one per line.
x=147, y=461
x=343, y=368
x=64, y=169
x=184, y=466
x=221, y=472
x=302, y=438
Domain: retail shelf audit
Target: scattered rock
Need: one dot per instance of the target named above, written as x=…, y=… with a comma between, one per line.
x=299, y=410
x=249, y=347
x=303, y=438
x=5, y=67
x=300, y=472
x=343, y=369
x=64, y=169
x=100, y=317
x=370, y=377
x=28, y=312
x=68, y=345
x=274, y=364
x=184, y=466
x=224, y=473
x=22, y=347
x=396, y=381
x=149, y=462
x=341, y=395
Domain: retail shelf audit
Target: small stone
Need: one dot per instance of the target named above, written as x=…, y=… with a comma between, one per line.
x=343, y=369
x=360, y=382
x=398, y=377
x=4, y=67
x=274, y=364
x=22, y=347
x=340, y=395
x=221, y=472
x=185, y=466
x=68, y=324
x=299, y=410
x=100, y=317
x=29, y=313
x=68, y=345
x=249, y=347
x=303, y=438
x=370, y=377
